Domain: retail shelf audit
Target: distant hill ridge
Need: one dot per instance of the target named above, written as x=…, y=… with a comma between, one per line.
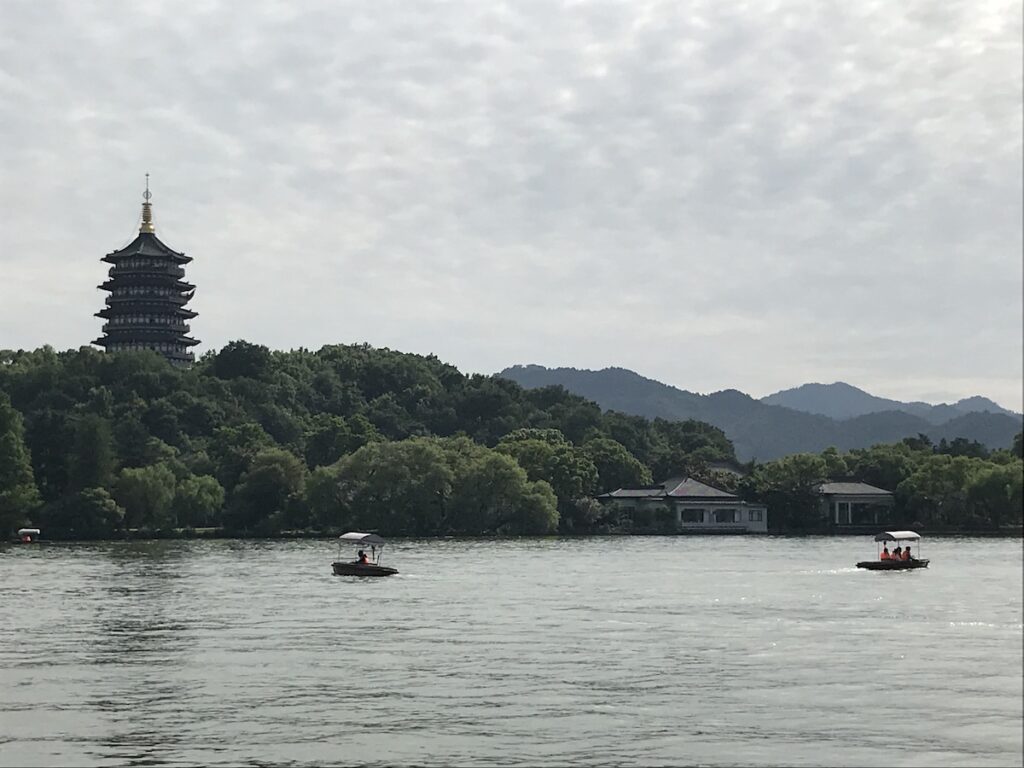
x=843, y=401
x=766, y=430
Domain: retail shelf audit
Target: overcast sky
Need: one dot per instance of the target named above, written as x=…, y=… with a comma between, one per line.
x=747, y=195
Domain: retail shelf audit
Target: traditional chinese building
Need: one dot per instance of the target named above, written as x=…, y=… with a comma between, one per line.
x=682, y=504
x=148, y=294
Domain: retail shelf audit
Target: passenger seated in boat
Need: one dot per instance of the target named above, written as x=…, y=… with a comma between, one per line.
x=906, y=554
x=363, y=559
x=897, y=554
x=885, y=553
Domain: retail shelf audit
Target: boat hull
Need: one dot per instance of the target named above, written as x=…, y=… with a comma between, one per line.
x=892, y=565
x=361, y=569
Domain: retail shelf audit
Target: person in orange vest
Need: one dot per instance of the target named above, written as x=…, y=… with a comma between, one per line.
x=885, y=553
x=897, y=554
x=363, y=559
x=906, y=553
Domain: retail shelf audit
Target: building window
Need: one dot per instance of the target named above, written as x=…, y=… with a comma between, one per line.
x=726, y=516
x=693, y=515
x=755, y=516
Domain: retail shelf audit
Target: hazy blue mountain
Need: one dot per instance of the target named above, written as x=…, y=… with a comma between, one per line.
x=759, y=429
x=843, y=401
x=988, y=428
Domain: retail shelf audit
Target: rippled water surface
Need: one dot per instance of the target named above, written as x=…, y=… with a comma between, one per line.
x=637, y=651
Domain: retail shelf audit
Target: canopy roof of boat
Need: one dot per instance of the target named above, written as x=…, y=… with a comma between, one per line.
x=29, y=531
x=361, y=538
x=897, y=536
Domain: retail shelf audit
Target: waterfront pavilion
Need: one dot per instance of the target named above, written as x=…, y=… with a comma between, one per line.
x=854, y=503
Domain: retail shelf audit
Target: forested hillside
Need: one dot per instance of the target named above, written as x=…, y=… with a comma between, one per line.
x=256, y=441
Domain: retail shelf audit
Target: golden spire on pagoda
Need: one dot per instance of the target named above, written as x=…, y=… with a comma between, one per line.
x=147, y=210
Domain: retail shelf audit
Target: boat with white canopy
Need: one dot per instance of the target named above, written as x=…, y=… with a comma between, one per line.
x=366, y=563
x=887, y=561
x=28, y=535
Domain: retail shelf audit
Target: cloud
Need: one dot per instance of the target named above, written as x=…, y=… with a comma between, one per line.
x=716, y=195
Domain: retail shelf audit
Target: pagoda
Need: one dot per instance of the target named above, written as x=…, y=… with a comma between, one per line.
x=148, y=294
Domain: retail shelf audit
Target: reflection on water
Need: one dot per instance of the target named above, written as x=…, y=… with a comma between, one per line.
x=634, y=651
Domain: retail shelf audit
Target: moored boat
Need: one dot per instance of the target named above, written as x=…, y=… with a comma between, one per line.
x=28, y=535
x=364, y=564
x=886, y=562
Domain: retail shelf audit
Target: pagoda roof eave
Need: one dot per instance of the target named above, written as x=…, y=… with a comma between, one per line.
x=178, y=285
x=149, y=336
x=146, y=244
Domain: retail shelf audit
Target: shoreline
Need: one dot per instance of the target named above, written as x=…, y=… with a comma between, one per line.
x=211, y=534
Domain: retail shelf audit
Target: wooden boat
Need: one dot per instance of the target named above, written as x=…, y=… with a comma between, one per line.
x=364, y=564
x=895, y=565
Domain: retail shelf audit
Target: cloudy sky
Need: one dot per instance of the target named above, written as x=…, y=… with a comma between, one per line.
x=717, y=195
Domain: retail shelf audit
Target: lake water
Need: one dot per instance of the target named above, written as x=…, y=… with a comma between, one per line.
x=631, y=651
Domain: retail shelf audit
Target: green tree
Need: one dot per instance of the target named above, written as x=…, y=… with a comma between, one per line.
x=961, y=446
x=883, y=466
x=400, y=487
x=616, y=467
x=146, y=493
x=996, y=494
x=198, y=501
x=131, y=438
x=789, y=487
x=233, y=449
x=921, y=443
x=546, y=455
x=267, y=496
x=332, y=437
x=240, y=358
x=835, y=465
x=491, y=493
x=1018, y=445
x=48, y=434
x=683, y=448
x=19, y=496
x=87, y=514
x=93, y=460
x=537, y=510
x=936, y=492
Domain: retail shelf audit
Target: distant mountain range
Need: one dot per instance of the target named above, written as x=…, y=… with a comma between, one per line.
x=843, y=401
x=808, y=418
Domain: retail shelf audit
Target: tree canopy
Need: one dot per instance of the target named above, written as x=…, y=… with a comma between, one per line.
x=258, y=441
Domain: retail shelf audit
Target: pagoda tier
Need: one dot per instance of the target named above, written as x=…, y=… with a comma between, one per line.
x=143, y=284
x=148, y=293
x=178, y=312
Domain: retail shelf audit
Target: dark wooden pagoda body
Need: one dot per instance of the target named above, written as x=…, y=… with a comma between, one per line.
x=148, y=294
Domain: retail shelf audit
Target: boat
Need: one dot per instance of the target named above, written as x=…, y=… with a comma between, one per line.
x=28, y=535
x=364, y=564
x=895, y=565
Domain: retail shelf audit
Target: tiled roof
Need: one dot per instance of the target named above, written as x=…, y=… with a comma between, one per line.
x=147, y=244
x=675, y=488
x=694, y=489
x=851, y=489
x=656, y=491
